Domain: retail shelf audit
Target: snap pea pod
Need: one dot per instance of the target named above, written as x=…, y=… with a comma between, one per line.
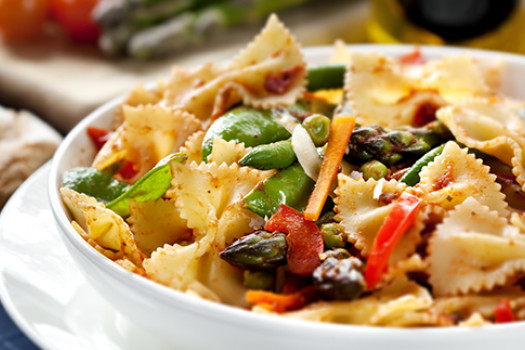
x=277, y=155
x=94, y=183
x=329, y=76
x=151, y=186
x=251, y=126
x=290, y=186
x=411, y=177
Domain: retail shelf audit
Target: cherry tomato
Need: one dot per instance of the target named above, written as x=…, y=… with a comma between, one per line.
x=22, y=19
x=75, y=17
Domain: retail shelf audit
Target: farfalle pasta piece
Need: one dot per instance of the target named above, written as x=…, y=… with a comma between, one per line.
x=483, y=303
x=105, y=227
x=269, y=72
x=235, y=222
x=176, y=265
x=228, y=152
x=224, y=280
x=362, y=215
x=148, y=134
x=455, y=78
x=474, y=249
x=380, y=94
x=456, y=175
x=379, y=308
x=192, y=148
x=386, y=92
x=493, y=128
x=156, y=223
x=202, y=189
x=181, y=266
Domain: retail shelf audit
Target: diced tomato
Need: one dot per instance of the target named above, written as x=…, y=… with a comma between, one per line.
x=400, y=218
x=413, y=57
x=425, y=113
x=304, y=239
x=127, y=170
x=503, y=312
x=98, y=136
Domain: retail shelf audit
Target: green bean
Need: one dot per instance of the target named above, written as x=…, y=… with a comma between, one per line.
x=318, y=127
x=329, y=76
x=251, y=126
x=374, y=169
x=277, y=155
x=411, y=177
x=290, y=186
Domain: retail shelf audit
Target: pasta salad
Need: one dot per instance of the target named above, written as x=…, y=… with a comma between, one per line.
x=369, y=190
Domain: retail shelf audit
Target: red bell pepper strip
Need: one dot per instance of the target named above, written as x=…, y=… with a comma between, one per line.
x=503, y=312
x=400, y=218
x=304, y=239
x=98, y=136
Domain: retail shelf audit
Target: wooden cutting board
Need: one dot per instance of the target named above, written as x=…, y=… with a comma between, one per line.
x=62, y=83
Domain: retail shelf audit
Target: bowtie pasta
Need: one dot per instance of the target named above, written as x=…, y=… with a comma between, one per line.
x=372, y=190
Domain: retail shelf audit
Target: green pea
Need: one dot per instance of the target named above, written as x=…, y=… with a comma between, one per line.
x=318, y=127
x=277, y=155
x=251, y=126
x=374, y=169
x=290, y=186
x=333, y=235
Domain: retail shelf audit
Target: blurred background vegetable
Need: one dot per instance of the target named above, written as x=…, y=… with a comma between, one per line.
x=75, y=17
x=22, y=19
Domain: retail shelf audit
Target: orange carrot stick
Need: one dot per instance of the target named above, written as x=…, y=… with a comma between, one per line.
x=340, y=132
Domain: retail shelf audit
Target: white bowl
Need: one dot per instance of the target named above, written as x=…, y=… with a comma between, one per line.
x=186, y=322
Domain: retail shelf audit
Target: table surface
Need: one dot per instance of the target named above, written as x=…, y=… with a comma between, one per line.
x=10, y=336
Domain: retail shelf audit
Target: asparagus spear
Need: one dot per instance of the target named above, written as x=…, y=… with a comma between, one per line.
x=260, y=250
x=193, y=27
x=340, y=276
x=390, y=147
x=121, y=19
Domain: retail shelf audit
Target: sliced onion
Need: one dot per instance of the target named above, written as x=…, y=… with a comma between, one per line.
x=288, y=122
x=306, y=152
x=356, y=175
x=378, y=189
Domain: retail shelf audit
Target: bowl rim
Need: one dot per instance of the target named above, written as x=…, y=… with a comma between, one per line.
x=237, y=316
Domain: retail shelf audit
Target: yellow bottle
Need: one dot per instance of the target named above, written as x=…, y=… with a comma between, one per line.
x=488, y=24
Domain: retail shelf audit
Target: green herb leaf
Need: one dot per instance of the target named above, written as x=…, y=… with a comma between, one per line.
x=94, y=183
x=151, y=186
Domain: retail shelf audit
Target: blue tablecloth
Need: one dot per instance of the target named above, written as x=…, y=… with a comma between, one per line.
x=11, y=338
